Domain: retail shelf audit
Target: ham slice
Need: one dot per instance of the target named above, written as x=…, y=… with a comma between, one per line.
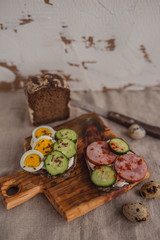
x=131, y=167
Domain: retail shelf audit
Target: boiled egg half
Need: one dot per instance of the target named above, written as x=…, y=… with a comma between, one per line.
x=44, y=144
x=42, y=131
x=32, y=161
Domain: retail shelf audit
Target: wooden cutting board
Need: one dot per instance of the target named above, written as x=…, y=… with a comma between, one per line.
x=75, y=195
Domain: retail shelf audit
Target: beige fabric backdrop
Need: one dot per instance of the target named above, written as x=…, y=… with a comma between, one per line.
x=37, y=219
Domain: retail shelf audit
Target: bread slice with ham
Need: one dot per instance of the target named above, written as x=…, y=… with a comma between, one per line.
x=129, y=168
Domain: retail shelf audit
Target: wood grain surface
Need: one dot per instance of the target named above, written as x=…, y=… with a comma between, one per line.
x=73, y=196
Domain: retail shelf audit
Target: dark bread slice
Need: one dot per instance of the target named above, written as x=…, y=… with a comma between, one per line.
x=106, y=189
x=44, y=173
x=47, y=98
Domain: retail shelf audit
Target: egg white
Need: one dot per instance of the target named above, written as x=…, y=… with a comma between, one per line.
x=43, y=126
x=31, y=169
x=40, y=138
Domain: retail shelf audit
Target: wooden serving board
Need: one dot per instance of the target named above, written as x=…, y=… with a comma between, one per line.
x=72, y=196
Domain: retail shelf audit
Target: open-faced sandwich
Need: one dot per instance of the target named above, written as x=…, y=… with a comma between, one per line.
x=112, y=165
x=53, y=153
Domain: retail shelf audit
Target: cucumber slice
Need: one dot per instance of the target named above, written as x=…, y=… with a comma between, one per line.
x=66, y=146
x=103, y=176
x=118, y=146
x=56, y=163
x=67, y=133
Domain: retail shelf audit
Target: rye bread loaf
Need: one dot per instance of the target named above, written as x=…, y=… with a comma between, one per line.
x=47, y=97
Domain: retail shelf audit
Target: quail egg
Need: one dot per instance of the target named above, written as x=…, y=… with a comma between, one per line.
x=150, y=189
x=32, y=161
x=136, y=212
x=135, y=131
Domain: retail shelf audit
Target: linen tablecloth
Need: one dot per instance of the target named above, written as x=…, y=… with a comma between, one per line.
x=36, y=218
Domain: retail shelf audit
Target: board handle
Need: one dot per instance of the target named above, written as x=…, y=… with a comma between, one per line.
x=18, y=188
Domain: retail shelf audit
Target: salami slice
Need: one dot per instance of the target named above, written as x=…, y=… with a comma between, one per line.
x=131, y=167
x=99, y=153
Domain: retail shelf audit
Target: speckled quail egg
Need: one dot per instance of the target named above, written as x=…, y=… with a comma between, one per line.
x=150, y=189
x=136, y=212
x=135, y=131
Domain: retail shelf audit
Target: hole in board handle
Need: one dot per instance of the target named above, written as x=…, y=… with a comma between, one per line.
x=12, y=190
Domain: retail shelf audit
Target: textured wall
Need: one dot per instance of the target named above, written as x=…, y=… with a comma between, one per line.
x=96, y=44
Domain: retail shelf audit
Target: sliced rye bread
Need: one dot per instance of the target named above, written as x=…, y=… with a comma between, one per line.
x=43, y=172
x=106, y=189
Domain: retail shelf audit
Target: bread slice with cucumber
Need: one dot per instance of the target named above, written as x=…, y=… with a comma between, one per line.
x=112, y=165
x=62, y=160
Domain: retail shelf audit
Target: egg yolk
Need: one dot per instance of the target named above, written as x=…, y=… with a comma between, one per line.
x=42, y=131
x=32, y=160
x=45, y=146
